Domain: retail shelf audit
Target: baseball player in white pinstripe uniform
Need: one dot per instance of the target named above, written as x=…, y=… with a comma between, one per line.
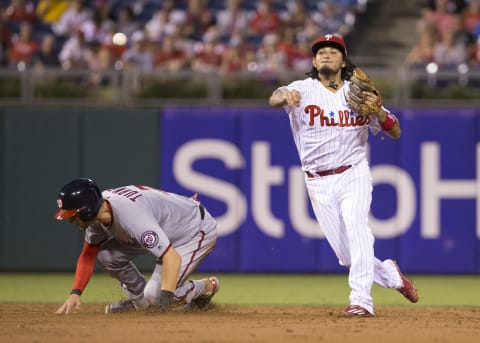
x=331, y=141
x=125, y=222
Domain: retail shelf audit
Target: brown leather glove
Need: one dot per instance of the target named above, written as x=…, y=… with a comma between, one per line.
x=363, y=97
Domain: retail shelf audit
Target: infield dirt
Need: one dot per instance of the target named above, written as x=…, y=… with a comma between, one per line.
x=229, y=323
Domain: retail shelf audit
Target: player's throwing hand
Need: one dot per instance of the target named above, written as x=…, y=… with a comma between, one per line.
x=292, y=97
x=284, y=96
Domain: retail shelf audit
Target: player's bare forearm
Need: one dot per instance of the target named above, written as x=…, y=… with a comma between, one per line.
x=284, y=96
x=277, y=99
x=171, y=266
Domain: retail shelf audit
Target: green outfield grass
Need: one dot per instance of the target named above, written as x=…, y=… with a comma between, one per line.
x=261, y=289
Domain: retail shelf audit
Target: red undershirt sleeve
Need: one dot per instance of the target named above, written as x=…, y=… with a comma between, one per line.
x=85, y=266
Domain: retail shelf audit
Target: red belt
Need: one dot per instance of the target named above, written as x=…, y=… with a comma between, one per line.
x=339, y=170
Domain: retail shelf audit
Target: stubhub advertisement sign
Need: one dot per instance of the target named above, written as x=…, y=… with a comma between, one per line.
x=243, y=164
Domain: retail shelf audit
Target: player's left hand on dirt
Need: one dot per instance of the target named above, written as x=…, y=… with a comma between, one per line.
x=363, y=97
x=71, y=305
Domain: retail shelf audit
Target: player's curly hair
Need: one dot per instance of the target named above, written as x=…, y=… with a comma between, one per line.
x=347, y=71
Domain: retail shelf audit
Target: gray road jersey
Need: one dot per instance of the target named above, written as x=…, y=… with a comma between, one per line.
x=148, y=218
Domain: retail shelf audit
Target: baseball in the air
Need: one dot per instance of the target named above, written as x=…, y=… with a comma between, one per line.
x=119, y=38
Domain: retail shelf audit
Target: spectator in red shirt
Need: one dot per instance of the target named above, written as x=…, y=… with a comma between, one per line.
x=208, y=54
x=471, y=15
x=24, y=47
x=301, y=57
x=20, y=11
x=443, y=15
x=232, y=60
x=286, y=43
x=265, y=19
x=170, y=57
x=237, y=55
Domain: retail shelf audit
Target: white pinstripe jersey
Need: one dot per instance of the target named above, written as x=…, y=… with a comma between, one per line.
x=326, y=132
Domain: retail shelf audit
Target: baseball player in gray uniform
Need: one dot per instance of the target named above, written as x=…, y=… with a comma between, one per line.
x=125, y=222
x=331, y=140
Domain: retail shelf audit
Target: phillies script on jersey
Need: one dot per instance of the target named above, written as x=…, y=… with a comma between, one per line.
x=346, y=118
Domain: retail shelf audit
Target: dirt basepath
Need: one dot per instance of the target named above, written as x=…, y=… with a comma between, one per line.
x=228, y=323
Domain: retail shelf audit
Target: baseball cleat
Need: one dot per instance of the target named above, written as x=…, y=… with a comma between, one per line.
x=407, y=289
x=212, y=285
x=124, y=305
x=356, y=311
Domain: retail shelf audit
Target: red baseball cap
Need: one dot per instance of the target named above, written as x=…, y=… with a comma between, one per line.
x=330, y=40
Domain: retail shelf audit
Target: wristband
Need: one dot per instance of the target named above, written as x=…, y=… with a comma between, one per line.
x=389, y=122
x=76, y=291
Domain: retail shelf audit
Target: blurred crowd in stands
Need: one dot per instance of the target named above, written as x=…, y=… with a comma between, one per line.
x=448, y=34
x=200, y=35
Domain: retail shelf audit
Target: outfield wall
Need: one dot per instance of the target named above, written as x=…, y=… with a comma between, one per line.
x=43, y=148
x=244, y=166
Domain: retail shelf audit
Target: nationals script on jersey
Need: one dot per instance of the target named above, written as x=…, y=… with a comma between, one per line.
x=327, y=133
x=149, y=218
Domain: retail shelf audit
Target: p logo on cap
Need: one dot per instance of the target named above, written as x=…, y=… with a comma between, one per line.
x=330, y=40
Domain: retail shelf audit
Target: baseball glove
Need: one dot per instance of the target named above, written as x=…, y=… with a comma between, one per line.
x=363, y=97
